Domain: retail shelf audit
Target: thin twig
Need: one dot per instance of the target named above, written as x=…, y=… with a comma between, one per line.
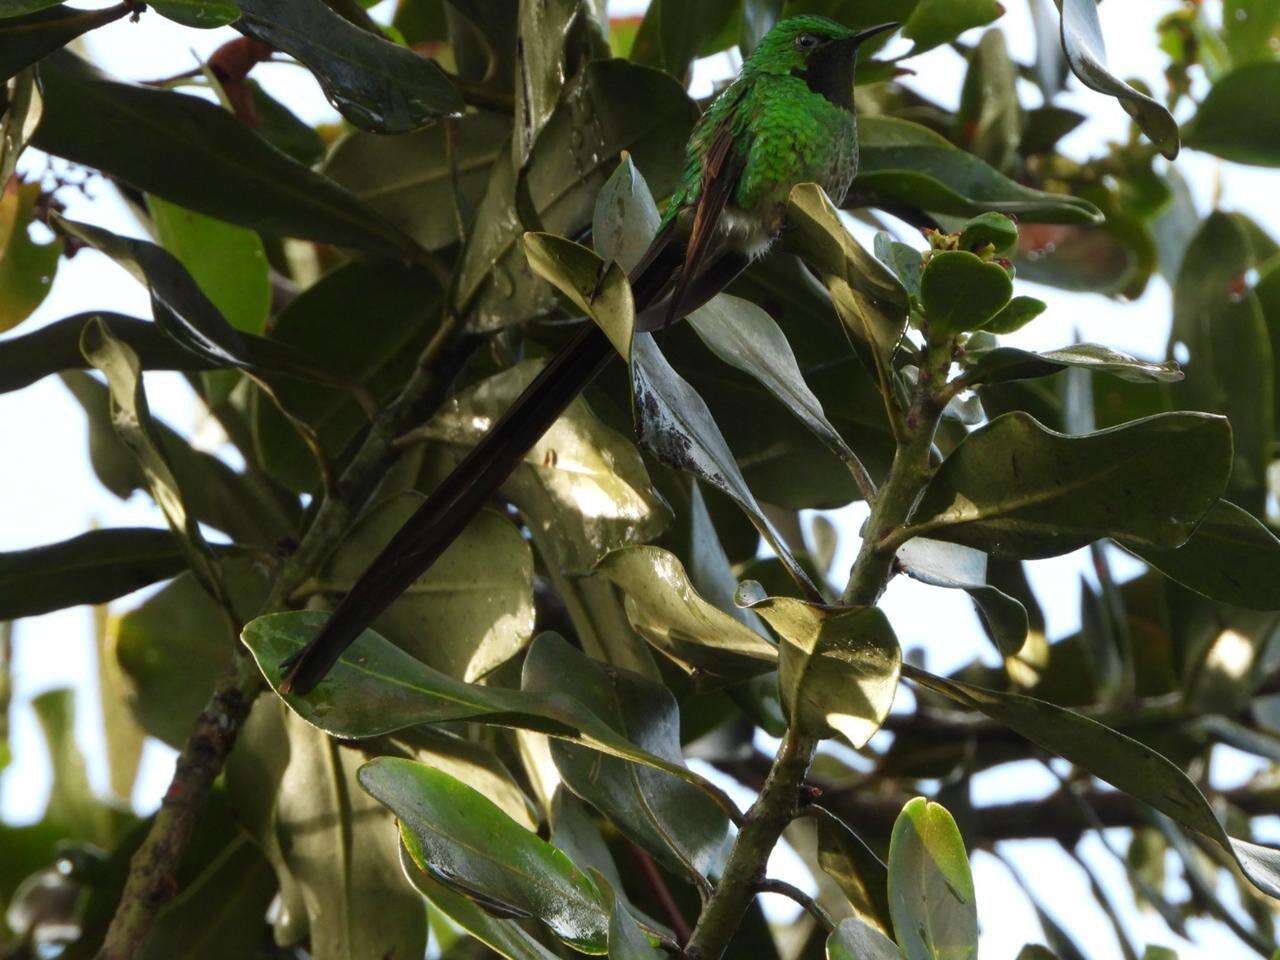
x=811, y=906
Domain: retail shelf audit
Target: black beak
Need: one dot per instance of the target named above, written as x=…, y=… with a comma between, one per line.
x=870, y=32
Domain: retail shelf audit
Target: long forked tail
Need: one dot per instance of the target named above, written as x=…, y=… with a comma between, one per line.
x=450, y=507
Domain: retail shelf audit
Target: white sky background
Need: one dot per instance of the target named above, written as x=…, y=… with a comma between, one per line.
x=48, y=491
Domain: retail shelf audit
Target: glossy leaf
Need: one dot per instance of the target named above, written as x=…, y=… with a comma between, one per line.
x=960, y=292
x=459, y=837
x=855, y=940
x=24, y=108
x=92, y=568
x=377, y=688
x=609, y=107
x=1123, y=762
x=744, y=336
x=901, y=162
x=664, y=608
x=501, y=934
x=374, y=83
x=598, y=289
x=837, y=667
x=1004, y=364
x=989, y=229
x=200, y=14
x=27, y=268
x=470, y=612
x=582, y=488
x=213, y=163
x=626, y=940
x=861, y=875
x=934, y=22
x=1231, y=558
x=227, y=262
x=674, y=423
x=1015, y=488
x=1239, y=119
x=409, y=179
x=132, y=420
x=1087, y=56
x=28, y=39
x=1017, y=314
x=670, y=818
x=931, y=890
x=958, y=567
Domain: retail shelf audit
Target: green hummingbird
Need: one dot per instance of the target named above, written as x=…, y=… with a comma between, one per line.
x=787, y=119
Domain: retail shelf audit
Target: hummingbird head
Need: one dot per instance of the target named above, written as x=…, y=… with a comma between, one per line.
x=818, y=50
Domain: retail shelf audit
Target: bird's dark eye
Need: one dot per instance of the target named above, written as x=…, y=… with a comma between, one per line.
x=807, y=41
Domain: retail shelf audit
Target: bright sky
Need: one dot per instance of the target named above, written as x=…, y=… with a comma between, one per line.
x=49, y=492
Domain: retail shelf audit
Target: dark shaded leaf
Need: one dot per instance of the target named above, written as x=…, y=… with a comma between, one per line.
x=989, y=122
x=675, y=32
x=1108, y=754
x=1239, y=119
x=409, y=179
x=934, y=22
x=460, y=838
x=837, y=666
x=213, y=163
x=28, y=39
x=200, y=14
x=374, y=83
x=861, y=874
x=671, y=819
x=92, y=568
x=1003, y=364
x=1015, y=488
x=626, y=940
x=1231, y=558
x=904, y=163
x=1087, y=56
x=855, y=940
x=24, y=107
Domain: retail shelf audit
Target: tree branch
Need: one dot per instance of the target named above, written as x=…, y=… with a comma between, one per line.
x=810, y=905
x=152, y=879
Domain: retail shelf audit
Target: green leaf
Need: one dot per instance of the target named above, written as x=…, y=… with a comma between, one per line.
x=957, y=567
x=905, y=261
x=1250, y=29
x=22, y=114
x=409, y=179
x=1239, y=119
x=598, y=289
x=92, y=568
x=1015, y=488
x=28, y=39
x=176, y=643
x=239, y=504
x=744, y=336
x=399, y=307
x=72, y=804
x=1231, y=558
x=673, y=421
x=200, y=14
x=18, y=8
x=994, y=229
x=214, y=164
x=609, y=107
x=960, y=292
x=1121, y=761
x=471, y=612
x=904, y=163
x=132, y=420
x=227, y=262
x=504, y=936
x=861, y=875
x=855, y=940
x=1017, y=314
x=1004, y=364
x=377, y=688
x=989, y=122
x=582, y=488
x=838, y=666
x=27, y=268
x=870, y=301
x=374, y=83
x=670, y=818
x=1087, y=56
x=664, y=608
x=474, y=764
x=626, y=217
x=931, y=890
x=626, y=940
x=460, y=838
x=675, y=32
x=935, y=22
